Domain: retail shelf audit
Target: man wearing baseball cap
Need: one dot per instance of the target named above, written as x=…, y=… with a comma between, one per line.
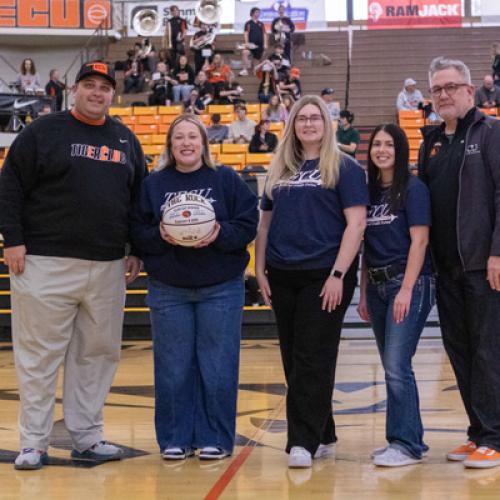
x=65, y=195
x=410, y=96
x=333, y=106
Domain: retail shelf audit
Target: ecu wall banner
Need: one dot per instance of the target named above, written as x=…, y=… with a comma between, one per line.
x=55, y=14
x=396, y=14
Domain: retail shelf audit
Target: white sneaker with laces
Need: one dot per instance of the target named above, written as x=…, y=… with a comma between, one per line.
x=176, y=453
x=212, y=453
x=243, y=72
x=30, y=459
x=394, y=457
x=325, y=451
x=379, y=451
x=299, y=458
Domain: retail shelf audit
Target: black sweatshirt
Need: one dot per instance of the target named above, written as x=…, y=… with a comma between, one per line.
x=66, y=188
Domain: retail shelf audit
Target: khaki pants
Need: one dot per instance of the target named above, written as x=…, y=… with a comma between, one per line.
x=66, y=310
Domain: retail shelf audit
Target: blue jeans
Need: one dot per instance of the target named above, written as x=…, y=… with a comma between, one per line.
x=196, y=345
x=397, y=344
x=181, y=90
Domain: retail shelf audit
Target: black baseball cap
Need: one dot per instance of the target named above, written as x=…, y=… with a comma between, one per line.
x=98, y=68
x=328, y=91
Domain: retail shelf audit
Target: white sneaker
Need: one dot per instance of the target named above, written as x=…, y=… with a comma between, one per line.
x=176, y=453
x=243, y=72
x=30, y=459
x=299, y=458
x=325, y=451
x=394, y=457
x=212, y=453
x=379, y=451
x=101, y=451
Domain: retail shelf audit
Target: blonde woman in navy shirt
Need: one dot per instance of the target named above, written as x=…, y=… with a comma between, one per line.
x=312, y=222
x=397, y=287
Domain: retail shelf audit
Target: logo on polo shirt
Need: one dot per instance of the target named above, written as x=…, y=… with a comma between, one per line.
x=98, y=153
x=472, y=149
x=435, y=149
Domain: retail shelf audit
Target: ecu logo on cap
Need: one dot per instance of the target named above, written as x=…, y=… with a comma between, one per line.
x=99, y=67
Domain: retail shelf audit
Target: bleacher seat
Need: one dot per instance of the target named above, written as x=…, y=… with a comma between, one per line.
x=116, y=111
x=235, y=160
x=234, y=148
x=148, y=119
x=176, y=109
x=145, y=110
x=220, y=108
x=259, y=158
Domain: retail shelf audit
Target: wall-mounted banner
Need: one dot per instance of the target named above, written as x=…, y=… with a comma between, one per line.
x=55, y=14
x=306, y=14
x=186, y=7
x=387, y=14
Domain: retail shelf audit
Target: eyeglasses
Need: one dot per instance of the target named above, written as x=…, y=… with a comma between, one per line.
x=303, y=119
x=449, y=88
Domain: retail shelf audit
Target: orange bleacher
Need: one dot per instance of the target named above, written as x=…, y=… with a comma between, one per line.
x=411, y=122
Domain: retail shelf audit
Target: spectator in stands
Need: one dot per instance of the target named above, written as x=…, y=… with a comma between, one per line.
x=333, y=106
x=183, y=80
x=196, y=296
x=204, y=87
x=460, y=163
x=194, y=104
x=268, y=75
x=146, y=54
x=311, y=227
x=397, y=288
x=263, y=141
x=275, y=111
x=28, y=79
x=202, y=44
x=255, y=41
x=176, y=31
x=55, y=88
x=218, y=74
x=134, y=79
x=161, y=85
x=291, y=84
x=232, y=92
x=410, y=96
x=217, y=133
x=495, y=65
x=348, y=138
x=282, y=28
x=288, y=101
x=65, y=199
x=488, y=95
x=242, y=129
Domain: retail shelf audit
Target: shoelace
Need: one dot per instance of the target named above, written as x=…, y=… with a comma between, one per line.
x=484, y=450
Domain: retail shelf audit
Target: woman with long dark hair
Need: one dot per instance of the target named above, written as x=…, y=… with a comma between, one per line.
x=397, y=287
x=28, y=79
x=312, y=222
x=263, y=141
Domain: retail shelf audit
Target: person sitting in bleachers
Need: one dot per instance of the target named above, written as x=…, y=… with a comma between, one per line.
x=410, y=96
x=204, y=87
x=183, y=80
x=218, y=73
x=194, y=104
x=495, y=62
x=288, y=101
x=232, y=92
x=348, y=137
x=291, y=84
x=134, y=79
x=275, y=111
x=268, y=75
x=282, y=28
x=488, y=95
x=145, y=53
x=242, y=129
x=333, y=106
x=28, y=80
x=202, y=44
x=217, y=133
x=161, y=85
x=263, y=141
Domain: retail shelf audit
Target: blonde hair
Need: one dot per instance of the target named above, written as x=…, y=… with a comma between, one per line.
x=167, y=158
x=289, y=156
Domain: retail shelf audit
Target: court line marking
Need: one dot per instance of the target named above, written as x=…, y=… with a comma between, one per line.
x=226, y=477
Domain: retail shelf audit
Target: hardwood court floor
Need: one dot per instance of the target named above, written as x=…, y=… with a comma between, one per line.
x=258, y=468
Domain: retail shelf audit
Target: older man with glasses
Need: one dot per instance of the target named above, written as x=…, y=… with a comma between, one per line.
x=460, y=162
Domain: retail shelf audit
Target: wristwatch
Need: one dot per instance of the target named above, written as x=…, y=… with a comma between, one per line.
x=337, y=274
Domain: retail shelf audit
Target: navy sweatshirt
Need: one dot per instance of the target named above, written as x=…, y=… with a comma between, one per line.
x=66, y=188
x=235, y=210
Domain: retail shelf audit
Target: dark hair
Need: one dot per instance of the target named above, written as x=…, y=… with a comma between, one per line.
x=253, y=10
x=258, y=127
x=32, y=69
x=240, y=106
x=347, y=115
x=216, y=118
x=397, y=192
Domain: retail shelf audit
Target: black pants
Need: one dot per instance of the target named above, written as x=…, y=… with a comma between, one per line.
x=469, y=313
x=309, y=341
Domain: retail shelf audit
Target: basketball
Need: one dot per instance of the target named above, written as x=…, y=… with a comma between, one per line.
x=188, y=219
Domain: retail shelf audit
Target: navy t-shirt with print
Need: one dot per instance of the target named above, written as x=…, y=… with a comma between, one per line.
x=308, y=220
x=387, y=236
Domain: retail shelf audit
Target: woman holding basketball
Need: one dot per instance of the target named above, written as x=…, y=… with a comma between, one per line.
x=314, y=213
x=397, y=287
x=196, y=296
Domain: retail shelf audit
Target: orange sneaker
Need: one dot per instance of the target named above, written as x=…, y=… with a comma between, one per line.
x=483, y=458
x=462, y=452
